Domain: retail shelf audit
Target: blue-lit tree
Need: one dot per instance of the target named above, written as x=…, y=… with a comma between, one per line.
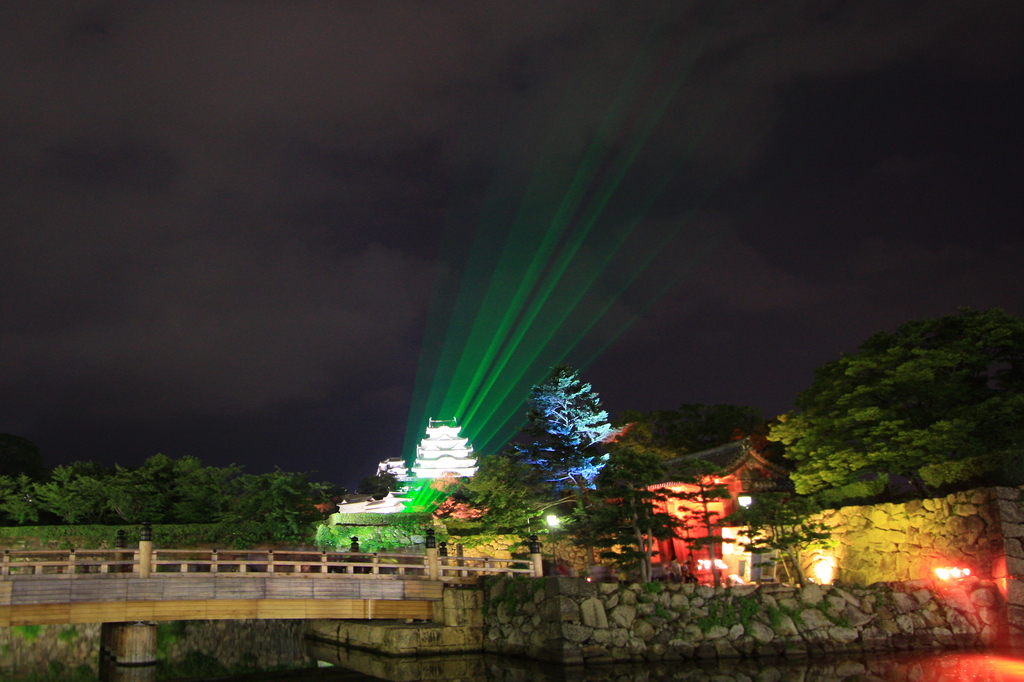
x=564, y=426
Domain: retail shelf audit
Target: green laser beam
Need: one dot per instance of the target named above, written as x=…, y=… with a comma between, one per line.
x=534, y=311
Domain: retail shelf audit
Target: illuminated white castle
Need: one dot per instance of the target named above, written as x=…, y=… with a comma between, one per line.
x=443, y=451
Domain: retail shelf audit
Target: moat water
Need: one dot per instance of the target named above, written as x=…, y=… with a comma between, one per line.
x=244, y=651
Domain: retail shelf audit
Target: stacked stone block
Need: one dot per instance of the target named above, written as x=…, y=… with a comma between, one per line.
x=572, y=621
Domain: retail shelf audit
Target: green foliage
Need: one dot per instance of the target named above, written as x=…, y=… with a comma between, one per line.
x=76, y=492
x=653, y=587
x=167, y=490
x=515, y=593
x=376, y=532
x=68, y=634
x=698, y=519
x=691, y=428
x=280, y=499
x=625, y=516
x=782, y=522
x=371, y=519
x=27, y=632
x=564, y=425
x=18, y=499
x=942, y=399
x=727, y=613
x=371, y=538
x=511, y=490
x=167, y=633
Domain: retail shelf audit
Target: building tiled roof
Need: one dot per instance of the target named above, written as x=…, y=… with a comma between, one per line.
x=724, y=457
x=729, y=457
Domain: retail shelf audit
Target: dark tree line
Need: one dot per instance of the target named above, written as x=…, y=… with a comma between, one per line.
x=162, y=490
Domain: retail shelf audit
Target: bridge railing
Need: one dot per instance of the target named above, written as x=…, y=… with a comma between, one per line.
x=67, y=562
x=185, y=562
x=473, y=567
x=262, y=562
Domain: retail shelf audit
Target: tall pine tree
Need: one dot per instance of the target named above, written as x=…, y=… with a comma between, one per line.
x=565, y=424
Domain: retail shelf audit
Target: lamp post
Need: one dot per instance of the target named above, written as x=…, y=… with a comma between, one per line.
x=553, y=522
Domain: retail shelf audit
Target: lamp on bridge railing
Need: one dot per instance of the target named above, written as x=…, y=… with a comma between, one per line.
x=120, y=540
x=442, y=549
x=431, y=540
x=146, y=533
x=534, y=545
x=354, y=547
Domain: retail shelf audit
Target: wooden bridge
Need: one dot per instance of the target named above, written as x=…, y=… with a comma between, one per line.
x=107, y=586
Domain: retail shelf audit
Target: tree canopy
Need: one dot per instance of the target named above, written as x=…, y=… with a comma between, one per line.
x=163, y=490
x=690, y=428
x=564, y=425
x=935, y=402
x=627, y=517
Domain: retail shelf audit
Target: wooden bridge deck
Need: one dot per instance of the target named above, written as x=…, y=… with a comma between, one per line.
x=115, y=599
x=108, y=586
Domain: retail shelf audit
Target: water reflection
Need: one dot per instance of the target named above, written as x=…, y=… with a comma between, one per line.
x=969, y=666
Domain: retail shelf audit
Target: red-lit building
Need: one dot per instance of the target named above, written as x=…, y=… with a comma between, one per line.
x=744, y=469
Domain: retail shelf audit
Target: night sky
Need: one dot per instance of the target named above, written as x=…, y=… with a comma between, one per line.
x=220, y=222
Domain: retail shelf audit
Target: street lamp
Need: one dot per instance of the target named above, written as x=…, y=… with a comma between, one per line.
x=552, y=522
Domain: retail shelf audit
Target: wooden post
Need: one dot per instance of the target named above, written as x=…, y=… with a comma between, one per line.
x=145, y=550
x=433, y=568
x=213, y=561
x=71, y=562
x=5, y=569
x=535, y=557
x=270, y=561
x=119, y=544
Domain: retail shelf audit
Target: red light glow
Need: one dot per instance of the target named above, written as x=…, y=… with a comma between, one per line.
x=952, y=573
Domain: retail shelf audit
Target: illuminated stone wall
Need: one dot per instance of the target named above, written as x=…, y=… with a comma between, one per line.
x=570, y=620
x=982, y=530
x=885, y=542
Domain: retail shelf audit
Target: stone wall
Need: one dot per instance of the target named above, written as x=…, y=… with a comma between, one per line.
x=982, y=530
x=503, y=547
x=570, y=620
x=908, y=541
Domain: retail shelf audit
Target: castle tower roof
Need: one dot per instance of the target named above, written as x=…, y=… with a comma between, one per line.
x=443, y=451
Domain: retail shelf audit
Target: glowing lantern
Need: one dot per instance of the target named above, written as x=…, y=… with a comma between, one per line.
x=952, y=573
x=705, y=564
x=825, y=569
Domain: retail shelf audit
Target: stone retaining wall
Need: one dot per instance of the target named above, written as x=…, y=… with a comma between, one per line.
x=568, y=620
x=908, y=541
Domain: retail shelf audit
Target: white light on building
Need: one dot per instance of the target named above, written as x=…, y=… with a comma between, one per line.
x=443, y=451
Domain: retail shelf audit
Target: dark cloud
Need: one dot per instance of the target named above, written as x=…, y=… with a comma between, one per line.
x=221, y=221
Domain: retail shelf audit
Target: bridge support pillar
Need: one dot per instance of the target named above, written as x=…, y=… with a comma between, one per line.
x=129, y=644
